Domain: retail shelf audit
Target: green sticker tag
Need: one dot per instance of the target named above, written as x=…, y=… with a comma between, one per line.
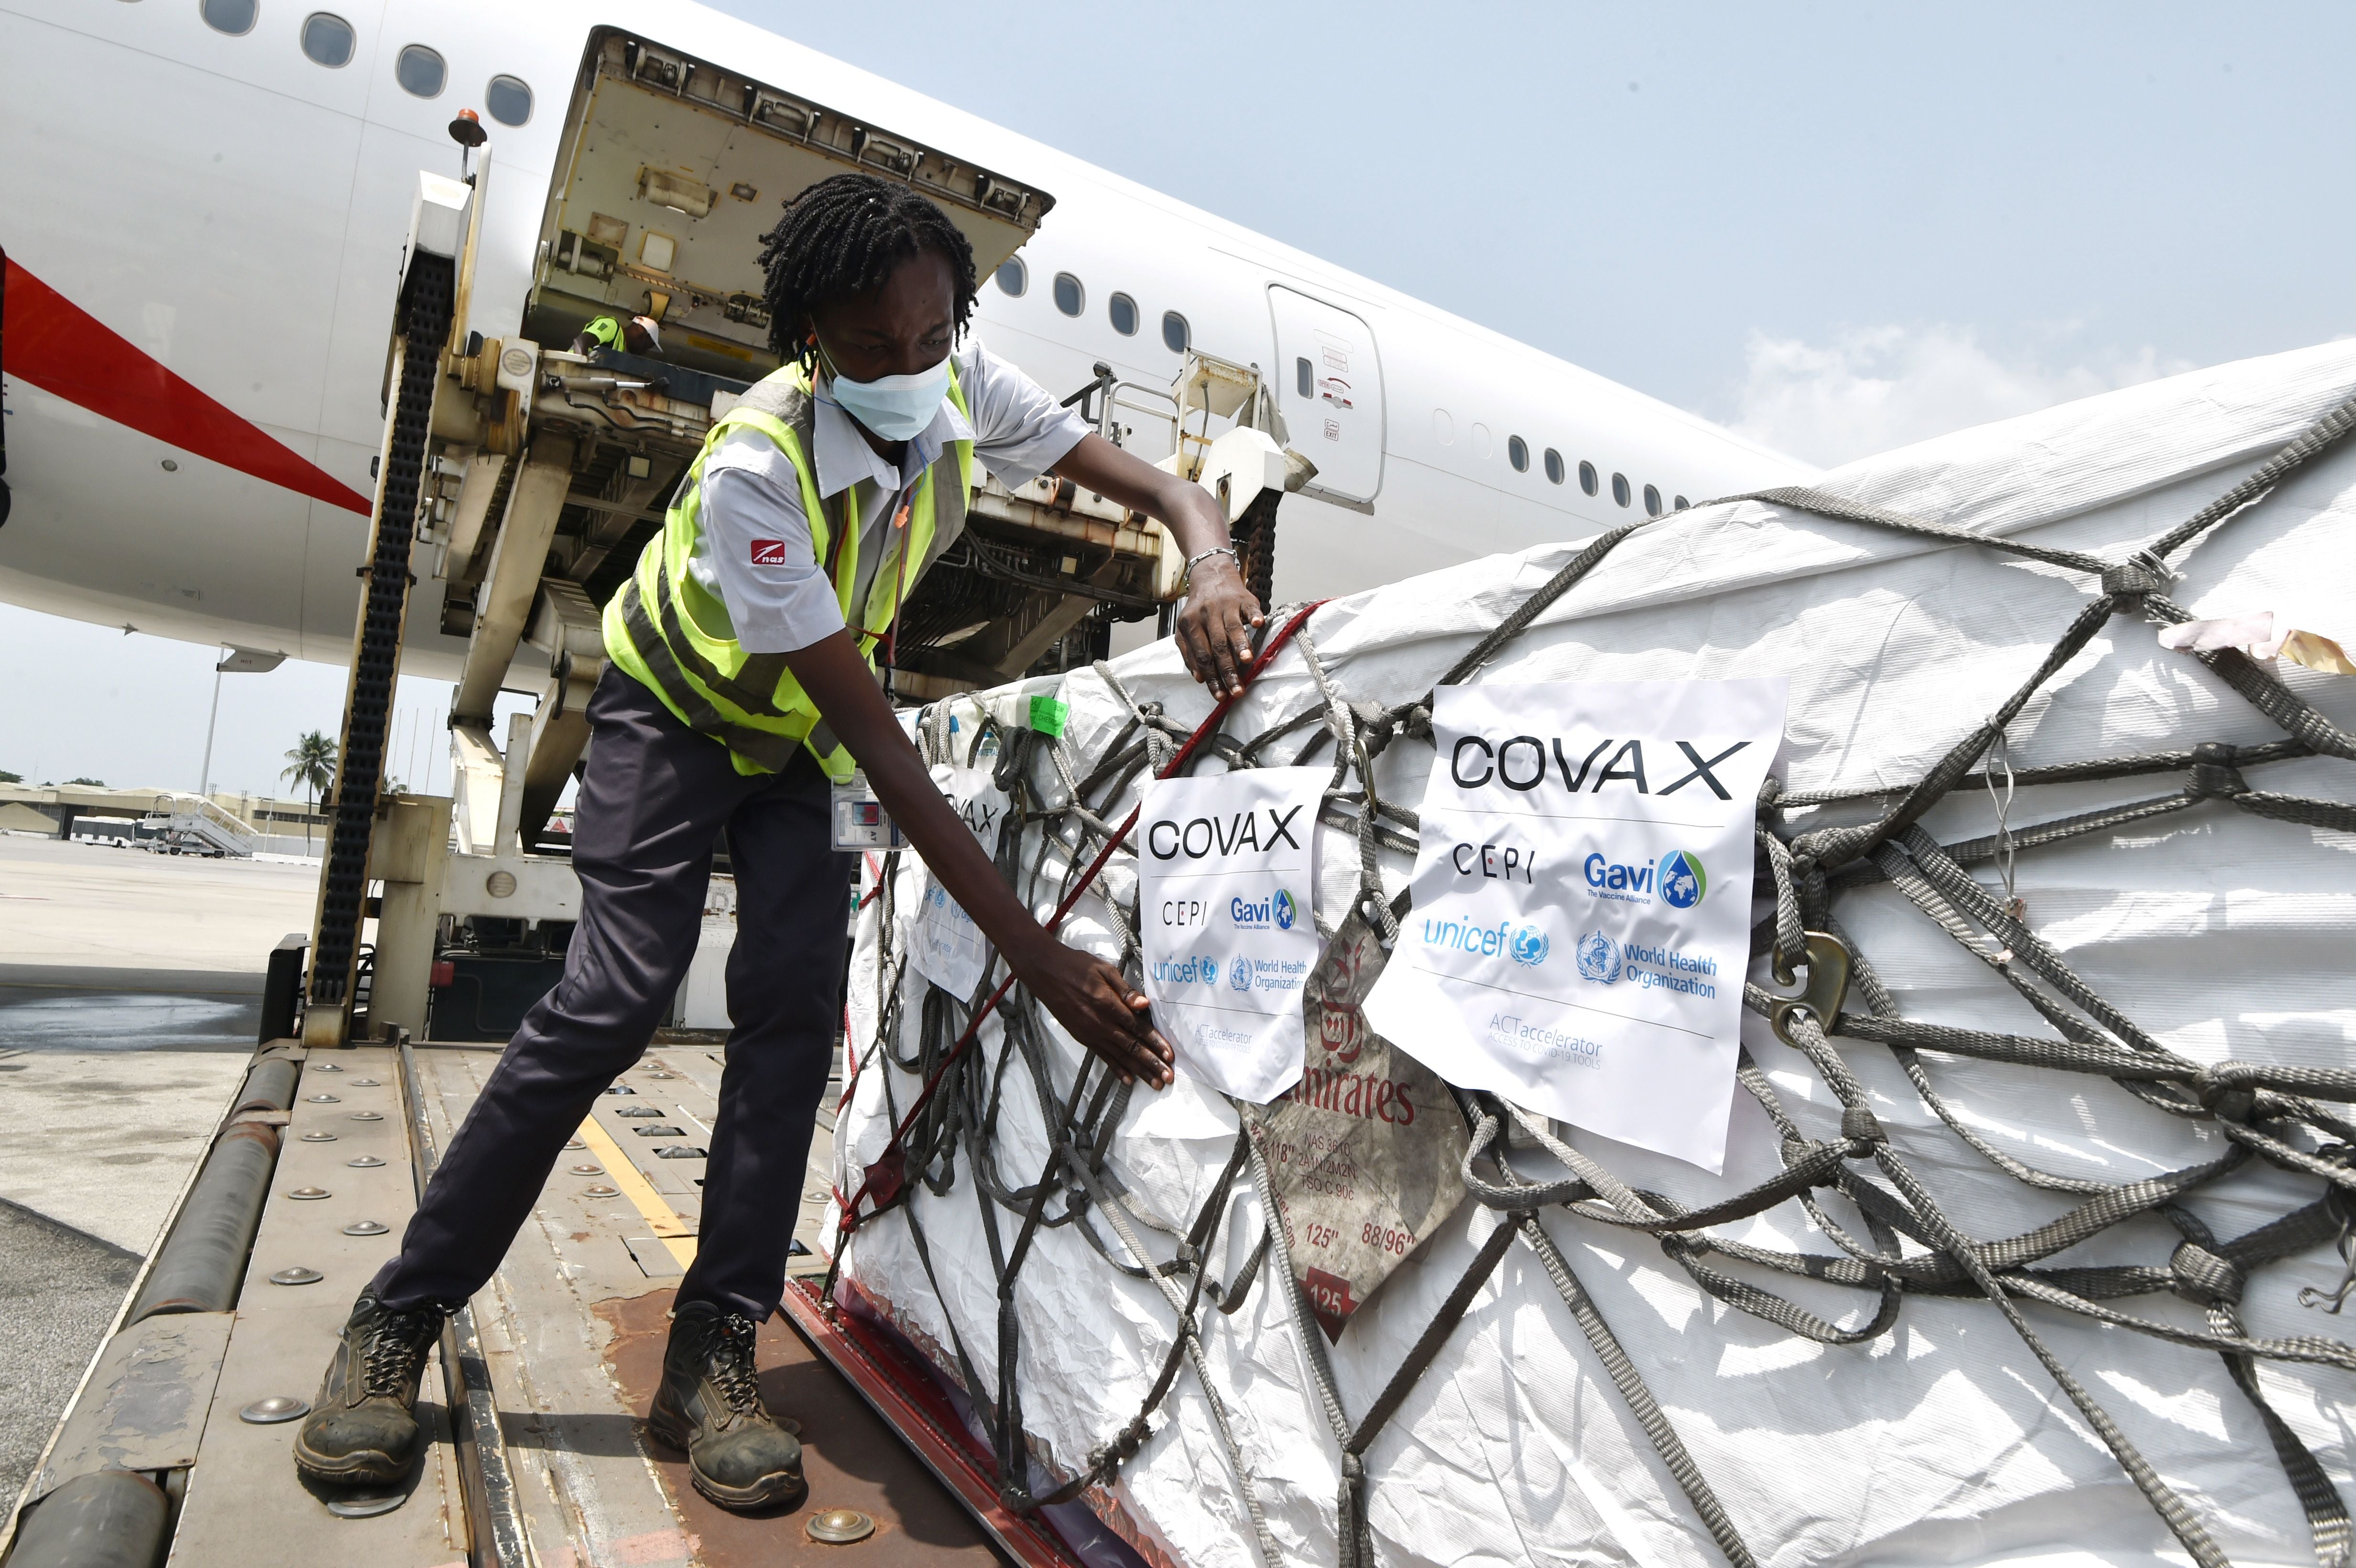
x=1047, y=715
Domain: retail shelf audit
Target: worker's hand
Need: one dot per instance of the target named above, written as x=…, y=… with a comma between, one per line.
x=1215, y=628
x=1090, y=999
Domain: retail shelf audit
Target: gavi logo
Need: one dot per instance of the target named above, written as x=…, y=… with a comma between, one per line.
x=1677, y=879
x=1682, y=880
x=1277, y=912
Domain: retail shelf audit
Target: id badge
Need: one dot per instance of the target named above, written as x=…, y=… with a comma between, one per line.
x=860, y=822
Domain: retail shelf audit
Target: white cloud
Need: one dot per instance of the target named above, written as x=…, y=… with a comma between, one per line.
x=1872, y=389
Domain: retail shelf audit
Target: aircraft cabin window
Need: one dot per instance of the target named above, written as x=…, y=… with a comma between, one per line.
x=419, y=71
x=509, y=98
x=1652, y=501
x=1013, y=277
x=234, y=17
x=1518, y=453
x=1683, y=504
x=1587, y=478
x=1554, y=466
x=326, y=39
x=1620, y=491
x=1123, y=310
x=1175, y=333
x=1304, y=378
x=1069, y=297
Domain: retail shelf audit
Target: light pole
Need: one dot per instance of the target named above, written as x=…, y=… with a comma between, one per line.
x=233, y=661
x=204, y=774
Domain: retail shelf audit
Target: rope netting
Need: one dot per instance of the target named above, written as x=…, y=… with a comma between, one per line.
x=1892, y=1237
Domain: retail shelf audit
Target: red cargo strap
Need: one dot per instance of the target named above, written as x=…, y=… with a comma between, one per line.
x=883, y=1180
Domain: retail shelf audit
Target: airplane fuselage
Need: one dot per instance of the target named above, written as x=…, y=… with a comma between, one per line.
x=190, y=209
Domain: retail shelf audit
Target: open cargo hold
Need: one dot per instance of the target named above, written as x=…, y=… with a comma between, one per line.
x=1604, y=1380
x=674, y=169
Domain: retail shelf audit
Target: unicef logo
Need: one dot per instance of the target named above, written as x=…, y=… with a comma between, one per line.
x=1682, y=881
x=1285, y=912
x=1598, y=957
x=1208, y=969
x=1239, y=973
x=1529, y=947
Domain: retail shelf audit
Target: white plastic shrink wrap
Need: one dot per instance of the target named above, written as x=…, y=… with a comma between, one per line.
x=2221, y=933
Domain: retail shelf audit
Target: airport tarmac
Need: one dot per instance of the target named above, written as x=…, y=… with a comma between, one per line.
x=129, y=998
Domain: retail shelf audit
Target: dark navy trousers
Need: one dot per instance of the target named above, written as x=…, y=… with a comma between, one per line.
x=653, y=799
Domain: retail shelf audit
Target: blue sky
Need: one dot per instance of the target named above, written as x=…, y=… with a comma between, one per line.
x=1838, y=227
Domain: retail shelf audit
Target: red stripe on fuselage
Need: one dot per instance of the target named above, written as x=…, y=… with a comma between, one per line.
x=62, y=348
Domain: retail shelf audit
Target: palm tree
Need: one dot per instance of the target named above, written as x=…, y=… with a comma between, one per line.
x=312, y=764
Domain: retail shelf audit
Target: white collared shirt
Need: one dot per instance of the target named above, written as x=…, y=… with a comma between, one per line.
x=754, y=553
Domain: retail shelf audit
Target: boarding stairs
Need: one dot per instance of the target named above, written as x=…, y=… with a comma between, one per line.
x=181, y=824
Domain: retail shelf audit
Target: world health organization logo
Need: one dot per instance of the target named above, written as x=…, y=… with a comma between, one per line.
x=1681, y=881
x=1285, y=912
x=1599, y=958
x=1529, y=947
x=1239, y=973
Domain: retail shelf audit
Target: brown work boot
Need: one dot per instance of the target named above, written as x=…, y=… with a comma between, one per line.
x=709, y=1408
x=362, y=1429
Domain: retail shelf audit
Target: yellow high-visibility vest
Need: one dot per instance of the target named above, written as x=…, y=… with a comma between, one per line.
x=658, y=628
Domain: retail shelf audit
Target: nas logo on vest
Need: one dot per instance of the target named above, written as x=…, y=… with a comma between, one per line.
x=768, y=552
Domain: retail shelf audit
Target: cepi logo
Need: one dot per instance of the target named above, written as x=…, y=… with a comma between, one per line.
x=1239, y=973
x=1682, y=880
x=1529, y=947
x=1599, y=958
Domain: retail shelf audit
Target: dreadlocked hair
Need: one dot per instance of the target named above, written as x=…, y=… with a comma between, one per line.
x=846, y=235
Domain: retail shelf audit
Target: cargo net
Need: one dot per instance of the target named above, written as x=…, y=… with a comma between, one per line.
x=2279, y=1115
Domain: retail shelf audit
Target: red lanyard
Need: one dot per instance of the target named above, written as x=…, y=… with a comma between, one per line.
x=905, y=499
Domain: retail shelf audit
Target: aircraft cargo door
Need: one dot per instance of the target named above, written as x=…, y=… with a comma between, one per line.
x=1330, y=387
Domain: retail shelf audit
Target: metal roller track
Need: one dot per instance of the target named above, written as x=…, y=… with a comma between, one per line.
x=494, y=1518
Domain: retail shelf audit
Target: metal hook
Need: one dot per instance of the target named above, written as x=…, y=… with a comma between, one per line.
x=1826, y=967
x=2311, y=1296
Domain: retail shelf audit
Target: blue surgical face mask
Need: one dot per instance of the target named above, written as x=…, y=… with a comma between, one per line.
x=896, y=408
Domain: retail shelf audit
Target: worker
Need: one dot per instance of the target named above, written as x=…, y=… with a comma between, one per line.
x=639, y=334
x=741, y=687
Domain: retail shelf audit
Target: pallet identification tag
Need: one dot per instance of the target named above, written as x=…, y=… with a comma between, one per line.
x=1583, y=902
x=949, y=949
x=1224, y=900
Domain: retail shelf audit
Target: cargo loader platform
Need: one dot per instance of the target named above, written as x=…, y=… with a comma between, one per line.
x=540, y=1453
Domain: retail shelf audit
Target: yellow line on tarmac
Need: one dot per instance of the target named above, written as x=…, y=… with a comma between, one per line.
x=668, y=1228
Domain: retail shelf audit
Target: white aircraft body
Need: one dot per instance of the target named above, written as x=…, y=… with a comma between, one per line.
x=203, y=219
